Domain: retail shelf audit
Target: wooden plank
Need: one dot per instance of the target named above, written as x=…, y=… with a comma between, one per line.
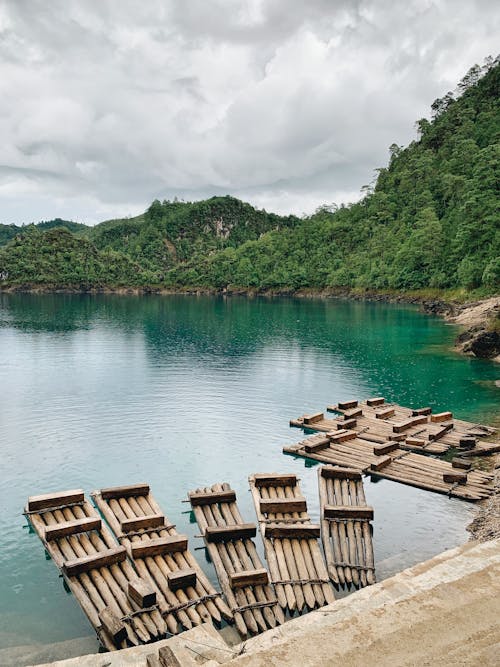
x=336, y=472
x=46, y=500
x=342, y=436
x=139, y=522
x=317, y=445
x=347, y=405
x=455, y=477
x=201, y=499
x=385, y=448
x=415, y=442
x=461, y=463
x=409, y=423
x=113, y=625
x=66, y=528
x=181, y=579
x=265, y=480
x=421, y=411
x=347, y=423
x=441, y=417
x=381, y=463
x=232, y=532
x=73, y=568
x=283, y=505
x=141, y=592
x=129, y=491
x=159, y=546
x=249, y=578
x=442, y=431
x=373, y=402
x=312, y=419
x=353, y=412
x=467, y=442
x=292, y=531
x=348, y=512
x=385, y=413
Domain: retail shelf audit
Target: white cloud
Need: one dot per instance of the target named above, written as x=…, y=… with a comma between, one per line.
x=105, y=105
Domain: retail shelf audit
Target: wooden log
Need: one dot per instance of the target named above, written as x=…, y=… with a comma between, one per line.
x=139, y=522
x=415, y=442
x=129, y=491
x=284, y=505
x=72, y=528
x=467, y=442
x=421, y=411
x=348, y=512
x=159, y=546
x=343, y=436
x=141, y=592
x=312, y=419
x=46, y=500
x=381, y=463
x=347, y=405
x=317, y=444
x=353, y=412
x=409, y=423
x=249, y=578
x=370, y=437
x=216, y=534
x=372, y=402
x=442, y=431
x=292, y=530
x=181, y=579
x=384, y=413
x=334, y=472
x=72, y=568
x=455, y=477
x=441, y=417
x=113, y=625
x=347, y=424
x=461, y=463
x=385, y=448
x=198, y=499
x=265, y=480
x=167, y=658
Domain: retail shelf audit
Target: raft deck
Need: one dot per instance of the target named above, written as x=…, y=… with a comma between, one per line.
x=242, y=576
x=345, y=527
x=292, y=550
x=184, y=594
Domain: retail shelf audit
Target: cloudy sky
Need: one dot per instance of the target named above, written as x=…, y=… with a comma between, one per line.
x=289, y=104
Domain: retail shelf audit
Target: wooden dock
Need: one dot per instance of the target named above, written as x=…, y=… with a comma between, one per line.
x=242, y=576
x=389, y=461
x=345, y=527
x=96, y=569
x=291, y=545
x=184, y=595
x=417, y=430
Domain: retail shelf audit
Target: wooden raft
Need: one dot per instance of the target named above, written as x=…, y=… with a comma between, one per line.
x=243, y=578
x=345, y=526
x=95, y=568
x=390, y=462
x=184, y=595
x=296, y=564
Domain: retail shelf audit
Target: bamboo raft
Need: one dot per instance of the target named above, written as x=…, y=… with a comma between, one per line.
x=96, y=570
x=291, y=545
x=243, y=578
x=417, y=430
x=184, y=595
x=389, y=461
x=345, y=529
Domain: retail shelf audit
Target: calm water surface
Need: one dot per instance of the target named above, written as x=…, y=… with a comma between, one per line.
x=188, y=391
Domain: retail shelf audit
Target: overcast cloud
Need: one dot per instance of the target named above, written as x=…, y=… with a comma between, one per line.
x=288, y=104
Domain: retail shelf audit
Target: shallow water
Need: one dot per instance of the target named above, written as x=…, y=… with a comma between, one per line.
x=187, y=391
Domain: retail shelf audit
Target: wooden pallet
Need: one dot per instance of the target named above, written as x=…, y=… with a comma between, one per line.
x=243, y=578
x=96, y=569
x=295, y=561
x=345, y=526
x=185, y=596
x=424, y=472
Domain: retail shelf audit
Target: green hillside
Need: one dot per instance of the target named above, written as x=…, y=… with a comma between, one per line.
x=430, y=221
x=8, y=232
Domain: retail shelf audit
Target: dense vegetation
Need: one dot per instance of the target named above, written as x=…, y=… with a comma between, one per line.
x=430, y=220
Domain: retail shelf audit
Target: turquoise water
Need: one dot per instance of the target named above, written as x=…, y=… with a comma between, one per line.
x=187, y=391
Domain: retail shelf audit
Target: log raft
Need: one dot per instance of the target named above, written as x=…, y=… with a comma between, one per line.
x=242, y=576
x=345, y=529
x=96, y=569
x=296, y=564
x=184, y=595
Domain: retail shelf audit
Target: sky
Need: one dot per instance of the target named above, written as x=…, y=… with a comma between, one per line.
x=106, y=105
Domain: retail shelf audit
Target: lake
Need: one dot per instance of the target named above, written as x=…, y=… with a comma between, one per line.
x=186, y=391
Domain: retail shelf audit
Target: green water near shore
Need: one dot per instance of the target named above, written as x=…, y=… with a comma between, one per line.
x=183, y=391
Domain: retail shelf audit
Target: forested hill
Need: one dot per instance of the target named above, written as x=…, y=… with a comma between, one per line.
x=430, y=220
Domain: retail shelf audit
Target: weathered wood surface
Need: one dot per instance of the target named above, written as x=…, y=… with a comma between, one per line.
x=241, y=574
x=399, y=465
x=96, y=570
x=162, y=558
x=293, y=553
x=345, y=529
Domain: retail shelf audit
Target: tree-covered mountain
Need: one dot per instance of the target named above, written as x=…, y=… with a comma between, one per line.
x=8, y=232
x=430, y=220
